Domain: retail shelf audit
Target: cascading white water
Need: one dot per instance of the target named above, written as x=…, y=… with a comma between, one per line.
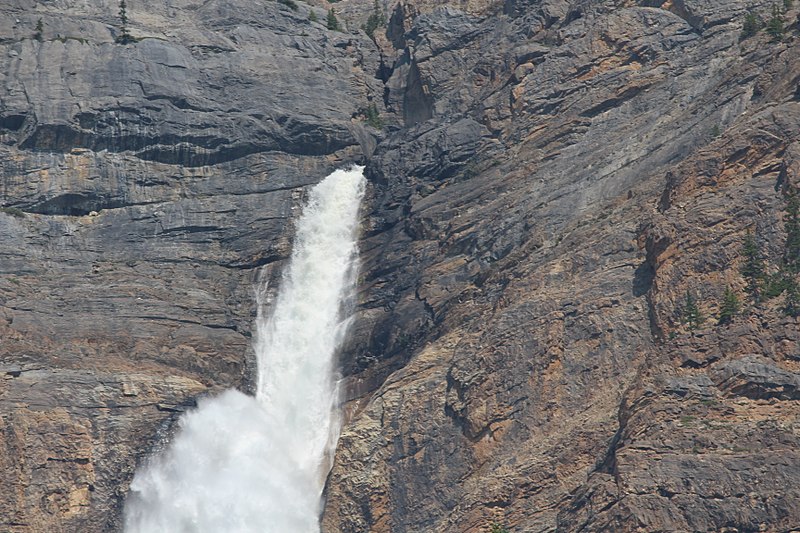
x=242, y=464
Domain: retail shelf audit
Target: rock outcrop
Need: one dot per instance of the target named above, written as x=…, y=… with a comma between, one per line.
x=145, y=188
x=552, y=179
x=567, y=174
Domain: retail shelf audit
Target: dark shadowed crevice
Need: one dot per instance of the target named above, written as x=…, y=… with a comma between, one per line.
x=12, y=122
x=643, y=278
x=74, y=204
x=417, y=102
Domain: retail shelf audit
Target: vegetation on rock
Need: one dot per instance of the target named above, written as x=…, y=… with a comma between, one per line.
x=377, y=19
x=373, y=117
x=752, y=24
x=753, y=267
x=13, y=211
x=39, y=30
x=791, y=254
x=764, y=286
x=775, y=24
x=124, y=36
x=791, y=304
x=291, y=4
x=730, y=307
x=692, y=316
x=333, y=22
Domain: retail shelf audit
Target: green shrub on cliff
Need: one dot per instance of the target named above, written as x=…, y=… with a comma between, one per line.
x=376, y=20
x=730, y=307
x=39, y=31
x=692, y=316
x=13, y=211
x=752, y=23
x=291, y=4
x=333, y=22
x=791, y=303
x=791, y=255
x=791, y=223
x=775, y=24
x=497, y=528
x=753, y=267
x=763, y=286
x=373, y=116
x=774, y=285
x=124, y=37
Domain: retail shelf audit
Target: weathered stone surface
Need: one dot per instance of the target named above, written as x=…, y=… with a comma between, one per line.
x=552, y=180
x=757, y=379
x=146, y=188
x=547, y=382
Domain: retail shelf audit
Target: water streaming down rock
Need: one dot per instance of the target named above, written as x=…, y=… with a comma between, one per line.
x=244, y=464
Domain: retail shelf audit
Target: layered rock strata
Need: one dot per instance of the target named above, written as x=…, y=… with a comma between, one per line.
x=567, y=174
x=550, y=180
x=146, y=189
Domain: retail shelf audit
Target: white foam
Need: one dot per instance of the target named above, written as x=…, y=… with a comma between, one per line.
x=245, y=464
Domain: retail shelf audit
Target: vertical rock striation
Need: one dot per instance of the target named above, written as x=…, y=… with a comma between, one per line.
x=566, y=174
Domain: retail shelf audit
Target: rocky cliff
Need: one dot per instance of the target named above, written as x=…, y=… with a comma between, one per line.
x=145, y=188
x=550, y=180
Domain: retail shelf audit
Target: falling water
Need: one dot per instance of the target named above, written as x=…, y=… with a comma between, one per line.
x=243, y=464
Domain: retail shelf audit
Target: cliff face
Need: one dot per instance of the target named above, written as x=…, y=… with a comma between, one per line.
x=552, y=180
x=520, y=356
x=154, y=183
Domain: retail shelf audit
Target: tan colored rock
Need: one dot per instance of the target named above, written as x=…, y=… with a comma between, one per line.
x=546, y=190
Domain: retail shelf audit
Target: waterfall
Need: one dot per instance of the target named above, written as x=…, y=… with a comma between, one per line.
x=258, y=464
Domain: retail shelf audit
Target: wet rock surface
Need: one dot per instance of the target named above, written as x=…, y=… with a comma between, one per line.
x=550, y=181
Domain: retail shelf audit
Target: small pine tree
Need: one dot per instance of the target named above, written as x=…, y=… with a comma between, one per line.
x=373, y=116
x=774, y=284
x=381, y=14
x=753, y=267
x=752, y=23
x=376, y=20
x=333, y=22
x=715, y=132
x=787, y=5
x=691, y=313
x=124, y=37
x=791, y=223
x=39, y=35
x=291, y=4
x=730, y=307
x=497, y=528
x=775, y=24
x=791, y=303
x=312, y=16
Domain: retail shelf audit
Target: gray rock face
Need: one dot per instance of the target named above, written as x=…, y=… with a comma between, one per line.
x=551, y=181
x=524, y=302
x=146, y=188
x=757, y=380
